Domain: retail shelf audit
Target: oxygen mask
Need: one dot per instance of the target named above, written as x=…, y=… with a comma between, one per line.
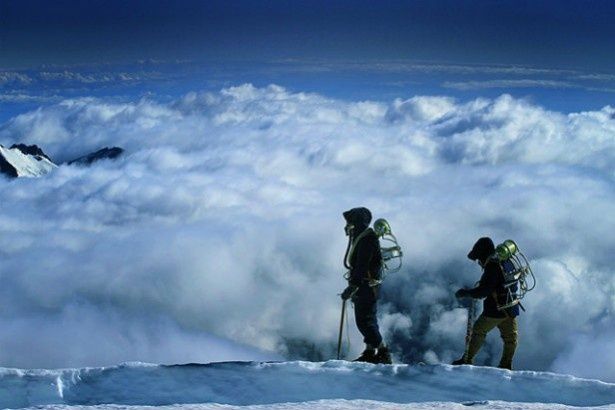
x=349, y=228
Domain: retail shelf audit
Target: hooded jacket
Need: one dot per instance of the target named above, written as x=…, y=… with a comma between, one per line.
x=365, y=259
x=491, y=282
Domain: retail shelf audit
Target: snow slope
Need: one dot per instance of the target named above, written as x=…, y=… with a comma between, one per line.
x=26, y=165
x=333, y=384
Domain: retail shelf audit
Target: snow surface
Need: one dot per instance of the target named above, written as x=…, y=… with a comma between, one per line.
x=342, y=404
x=27, y=165
x=298, y=385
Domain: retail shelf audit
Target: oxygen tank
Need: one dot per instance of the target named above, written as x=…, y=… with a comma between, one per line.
x=506, y=250
x=389, y=253
x=516, y=271
x=382, y=227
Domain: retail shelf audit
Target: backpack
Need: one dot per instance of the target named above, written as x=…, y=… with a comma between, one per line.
x=516, y=271
x=391, y=254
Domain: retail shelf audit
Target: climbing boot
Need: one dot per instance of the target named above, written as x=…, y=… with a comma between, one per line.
x=383, y=356
x=460, y=361
x=368, y=356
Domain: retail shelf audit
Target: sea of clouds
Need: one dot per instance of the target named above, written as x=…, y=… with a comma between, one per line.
x=219, y=234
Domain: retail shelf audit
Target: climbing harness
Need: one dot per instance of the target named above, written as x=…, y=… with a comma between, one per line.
x=518, y=276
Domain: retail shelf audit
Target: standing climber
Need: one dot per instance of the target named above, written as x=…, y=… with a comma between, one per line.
x=491, y=288
x=364, y=261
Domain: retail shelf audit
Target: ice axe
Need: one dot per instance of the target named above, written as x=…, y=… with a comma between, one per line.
x=470, y=325
x=339, y=339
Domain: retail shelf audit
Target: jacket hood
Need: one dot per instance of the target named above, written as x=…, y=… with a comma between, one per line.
x=359, y=217
x=482, y=249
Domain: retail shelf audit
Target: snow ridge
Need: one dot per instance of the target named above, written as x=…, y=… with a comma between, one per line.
x=103, y=153
x=256, y=383
x=24, y=161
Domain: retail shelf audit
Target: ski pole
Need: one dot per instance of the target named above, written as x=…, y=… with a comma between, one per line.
x=339, y=339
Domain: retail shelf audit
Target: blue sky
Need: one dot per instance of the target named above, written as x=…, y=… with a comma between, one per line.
x=556, y=34
x=557, y=53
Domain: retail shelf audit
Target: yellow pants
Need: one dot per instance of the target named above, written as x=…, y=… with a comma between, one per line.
x=508, y=332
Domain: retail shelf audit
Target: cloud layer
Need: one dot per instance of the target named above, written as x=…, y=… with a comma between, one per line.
x=224, y=221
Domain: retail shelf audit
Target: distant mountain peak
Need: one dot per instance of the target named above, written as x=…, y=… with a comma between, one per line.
x=33, y=150
x=24, y=161
x=104, y=153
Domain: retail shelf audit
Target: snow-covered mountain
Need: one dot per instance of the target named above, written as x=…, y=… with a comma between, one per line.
x=300, y=385
x=24, y=161
x=104, y=153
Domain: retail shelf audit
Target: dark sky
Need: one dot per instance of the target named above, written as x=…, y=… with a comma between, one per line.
x=554, y=34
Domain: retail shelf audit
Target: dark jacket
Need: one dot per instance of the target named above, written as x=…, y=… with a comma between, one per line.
x=491, y=282
x=490, y=287
x=365, y=259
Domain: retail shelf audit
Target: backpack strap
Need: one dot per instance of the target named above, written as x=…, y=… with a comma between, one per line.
x=356, y=242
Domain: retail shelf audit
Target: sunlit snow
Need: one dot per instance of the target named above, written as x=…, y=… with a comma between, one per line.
x=27, y=165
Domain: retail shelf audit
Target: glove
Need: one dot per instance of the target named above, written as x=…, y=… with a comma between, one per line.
x=349, y=291
x=462, y=293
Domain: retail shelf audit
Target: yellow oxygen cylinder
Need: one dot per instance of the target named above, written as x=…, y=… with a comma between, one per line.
x=506, y=250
